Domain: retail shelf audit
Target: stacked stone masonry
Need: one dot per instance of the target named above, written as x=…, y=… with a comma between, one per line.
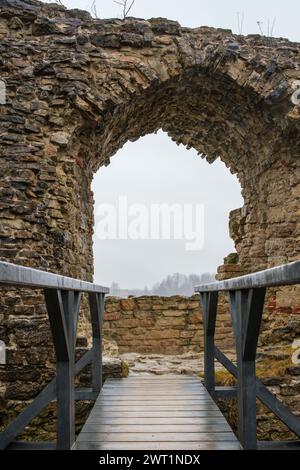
x=78, y=89
x=161, y=325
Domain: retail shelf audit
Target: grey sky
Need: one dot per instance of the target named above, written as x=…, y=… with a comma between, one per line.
x=155, y=170
x=218, y=13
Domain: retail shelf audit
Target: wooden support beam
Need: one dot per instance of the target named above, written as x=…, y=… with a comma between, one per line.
x=232, y=369
x=31, y=445
x=209, y=301
x=62, y=296
x=279, y=445
x=43, y=399
x=252, y=322
x=63, y=307
x=96, y=302
x=225, y=392
x=85, y=394
x=278, y=408
x=265, y=396
x=84, y=361
x=58, y=324
x=246, y=311
x=17, y=426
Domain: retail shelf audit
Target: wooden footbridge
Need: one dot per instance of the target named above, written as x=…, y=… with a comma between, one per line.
x=155, y=413
x=146, y=412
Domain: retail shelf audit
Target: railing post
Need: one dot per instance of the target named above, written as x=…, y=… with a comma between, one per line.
x=62, y=307
x=246, y=311
x=96, y=302
x=209, y=301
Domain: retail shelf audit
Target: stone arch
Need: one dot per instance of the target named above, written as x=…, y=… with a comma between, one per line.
x=78, y=88
x=84, y=87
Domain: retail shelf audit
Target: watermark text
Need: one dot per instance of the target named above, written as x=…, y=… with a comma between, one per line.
x=123, y=221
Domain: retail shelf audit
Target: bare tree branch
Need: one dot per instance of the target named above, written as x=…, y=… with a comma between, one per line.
x=126, y=6
x=240, y=20
x=94, y=9
x=272, y=27
x=259, y=23
x=130, y=6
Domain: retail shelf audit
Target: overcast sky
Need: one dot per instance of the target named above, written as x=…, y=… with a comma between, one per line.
x=155, y=170
x=218, y=13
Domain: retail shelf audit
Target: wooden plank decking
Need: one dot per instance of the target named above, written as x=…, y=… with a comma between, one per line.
x=153, y=413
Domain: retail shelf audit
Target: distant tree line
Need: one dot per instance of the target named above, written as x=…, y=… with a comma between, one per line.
x=176, y=284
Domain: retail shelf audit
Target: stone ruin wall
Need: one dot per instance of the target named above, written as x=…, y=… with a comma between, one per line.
x=173, y=325
x=77, y=90
x=161, y=325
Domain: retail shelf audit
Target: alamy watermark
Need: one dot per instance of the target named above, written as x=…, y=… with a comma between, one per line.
x=2, y=92
x=123, y=221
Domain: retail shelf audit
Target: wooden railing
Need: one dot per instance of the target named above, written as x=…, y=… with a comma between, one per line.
x=246, y=297
x=62, y=298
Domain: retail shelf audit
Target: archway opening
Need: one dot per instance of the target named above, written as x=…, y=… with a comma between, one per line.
x=194, y=110
x=152, y=317
x=159, y=210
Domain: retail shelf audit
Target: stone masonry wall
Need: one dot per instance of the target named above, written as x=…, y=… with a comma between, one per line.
x=161, y=325
x=173, y=325
x=78, y=89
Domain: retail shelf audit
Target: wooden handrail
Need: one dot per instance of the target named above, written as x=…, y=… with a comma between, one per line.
x=285, y=274
x=62, y=298
x=22, y=276
x=246, y=299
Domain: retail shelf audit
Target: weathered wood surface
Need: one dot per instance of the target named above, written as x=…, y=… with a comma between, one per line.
x=285, y=274
x=155, y=413
x=22, y=276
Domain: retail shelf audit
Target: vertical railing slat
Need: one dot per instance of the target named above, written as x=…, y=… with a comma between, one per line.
x=209, y=301
x=246, y=311
x=96, y=302
x=63, y=307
